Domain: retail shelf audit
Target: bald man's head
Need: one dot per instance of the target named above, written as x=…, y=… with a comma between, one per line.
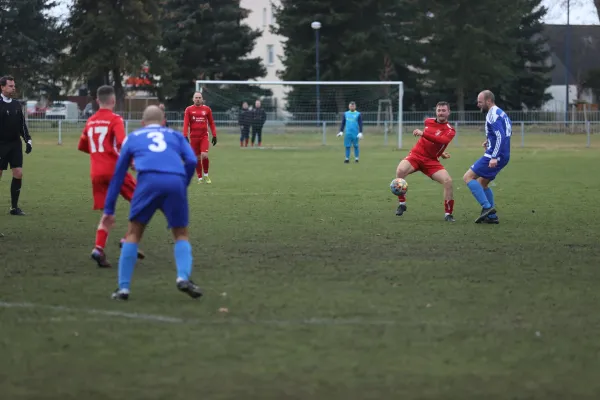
x=153, y=115
x=198, y=99
x=485, y=101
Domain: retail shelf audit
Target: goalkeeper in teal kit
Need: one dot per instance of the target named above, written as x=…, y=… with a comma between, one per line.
x=352, y=123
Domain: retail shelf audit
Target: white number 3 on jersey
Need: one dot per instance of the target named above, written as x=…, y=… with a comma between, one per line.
x=159, y=144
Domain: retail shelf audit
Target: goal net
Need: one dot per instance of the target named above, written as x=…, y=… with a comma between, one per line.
x=308, y=112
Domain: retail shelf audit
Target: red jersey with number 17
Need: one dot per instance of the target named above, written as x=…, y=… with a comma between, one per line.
x=102, y=138
x=435, y=139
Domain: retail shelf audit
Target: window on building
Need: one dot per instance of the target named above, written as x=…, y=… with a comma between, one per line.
x=264, y=16
x=270, y=54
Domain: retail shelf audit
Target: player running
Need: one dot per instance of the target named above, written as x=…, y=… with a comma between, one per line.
x=162, y=185
x=196, y=120
x=432, y=143
x=498, y=130
x=352, y=123
x=102, y=138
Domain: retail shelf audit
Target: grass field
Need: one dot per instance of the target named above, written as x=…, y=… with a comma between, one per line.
x=329, y=294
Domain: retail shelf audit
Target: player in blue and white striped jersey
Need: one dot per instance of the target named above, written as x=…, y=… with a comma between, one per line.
x=498, y=130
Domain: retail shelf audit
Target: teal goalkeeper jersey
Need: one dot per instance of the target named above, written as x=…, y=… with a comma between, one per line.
x=352, y=123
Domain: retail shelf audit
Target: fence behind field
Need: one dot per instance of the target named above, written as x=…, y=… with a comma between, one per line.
x=575, y=132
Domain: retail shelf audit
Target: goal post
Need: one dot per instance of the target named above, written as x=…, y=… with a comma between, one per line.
x=296, y=107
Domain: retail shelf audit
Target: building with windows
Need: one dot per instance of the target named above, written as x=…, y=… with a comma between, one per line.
x=268, y=46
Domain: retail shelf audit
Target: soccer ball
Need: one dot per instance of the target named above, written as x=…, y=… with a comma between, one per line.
x=399, y=186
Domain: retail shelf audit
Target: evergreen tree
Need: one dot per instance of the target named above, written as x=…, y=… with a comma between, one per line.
x=531, y=71
x=487, y=45
x=31, y=40
x=360, y=40
x=471, y=46
x=110, y=38
x=208, y=40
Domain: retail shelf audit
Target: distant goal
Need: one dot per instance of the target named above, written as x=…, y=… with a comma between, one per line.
x=302, y=106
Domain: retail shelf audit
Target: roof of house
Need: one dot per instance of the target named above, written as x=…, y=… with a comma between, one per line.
x=584, y=51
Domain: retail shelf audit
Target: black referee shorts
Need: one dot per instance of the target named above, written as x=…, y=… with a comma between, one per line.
x=11, y=154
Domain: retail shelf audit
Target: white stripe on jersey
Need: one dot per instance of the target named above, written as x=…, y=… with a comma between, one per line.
x=492, y=116
x=498, y=143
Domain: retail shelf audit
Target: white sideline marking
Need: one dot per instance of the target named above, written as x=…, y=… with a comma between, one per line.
x=107, y=313
x=226, y=320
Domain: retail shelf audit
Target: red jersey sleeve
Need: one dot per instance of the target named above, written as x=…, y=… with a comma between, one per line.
x=84, y=142
x=211, y=122
x=118, y=130
x=186, y=122
x=445, y=136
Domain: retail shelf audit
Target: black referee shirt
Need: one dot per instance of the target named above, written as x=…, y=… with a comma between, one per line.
x=12, y=121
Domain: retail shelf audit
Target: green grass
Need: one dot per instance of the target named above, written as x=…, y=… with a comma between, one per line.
x=330, y=295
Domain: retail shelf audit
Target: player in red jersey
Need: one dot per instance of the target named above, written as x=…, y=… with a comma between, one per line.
x=196, y=120
x=432, y=143
x=102, y=138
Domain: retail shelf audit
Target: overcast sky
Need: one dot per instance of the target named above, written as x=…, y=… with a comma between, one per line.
x=583, y=12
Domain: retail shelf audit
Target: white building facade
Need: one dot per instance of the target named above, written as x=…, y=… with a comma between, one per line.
x=269, y=47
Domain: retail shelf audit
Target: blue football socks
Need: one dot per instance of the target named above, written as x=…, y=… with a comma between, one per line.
x=478, y=193
x=127, y=261
x=356, y=152
x=347, y=153
x=183, y=259
x=490, y=197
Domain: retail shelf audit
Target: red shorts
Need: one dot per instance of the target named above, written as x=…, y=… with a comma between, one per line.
x=100, y=189
x=200, y=144
x=428, y=166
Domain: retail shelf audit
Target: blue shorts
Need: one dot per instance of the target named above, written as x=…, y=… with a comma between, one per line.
x=351, y=140
x=482, y=169
x=164, y=192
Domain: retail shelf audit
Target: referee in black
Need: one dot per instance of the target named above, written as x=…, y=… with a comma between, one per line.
x=12, y=129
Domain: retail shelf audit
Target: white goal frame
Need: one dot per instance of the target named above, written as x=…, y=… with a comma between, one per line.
x=400, y=84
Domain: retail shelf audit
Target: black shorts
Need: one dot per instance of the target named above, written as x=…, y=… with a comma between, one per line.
x=11, y=154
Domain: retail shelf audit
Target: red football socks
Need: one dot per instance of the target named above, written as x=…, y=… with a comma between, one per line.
x=449, y=206
x=205, y=165
x=101, y=238
x=199, y=169
x=402, y=198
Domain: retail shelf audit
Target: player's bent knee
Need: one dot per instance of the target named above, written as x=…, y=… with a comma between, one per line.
x=469, y=176
x=17, y=173
x=135, y=231
x=404, y=169
x=180, y=233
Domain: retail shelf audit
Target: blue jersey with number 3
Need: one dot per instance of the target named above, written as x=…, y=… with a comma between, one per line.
x=153, y=149
x=158, y=149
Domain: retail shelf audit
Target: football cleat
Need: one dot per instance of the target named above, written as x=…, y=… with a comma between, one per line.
x=492, y=221
x=190, y=288
x=484, y=213
x=16, y=211
x=356, y=161
x=401, y=209
x=449, y=218
x=346, y=161
x=120, y=294
x=207, y=180
x=99, y=256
